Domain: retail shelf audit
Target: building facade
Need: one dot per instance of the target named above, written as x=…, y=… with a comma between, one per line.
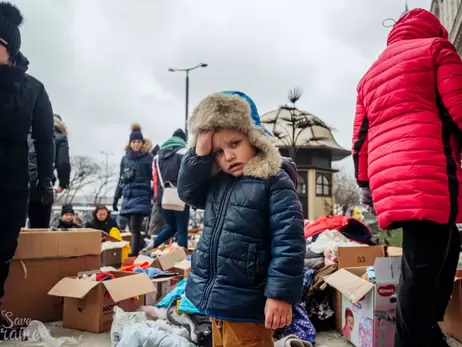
x=316, y=150
x=449, y=13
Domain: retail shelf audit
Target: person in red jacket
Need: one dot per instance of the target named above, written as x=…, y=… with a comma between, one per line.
x=406, y=149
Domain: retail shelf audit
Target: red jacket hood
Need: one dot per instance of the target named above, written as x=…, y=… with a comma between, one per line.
x=417, y=24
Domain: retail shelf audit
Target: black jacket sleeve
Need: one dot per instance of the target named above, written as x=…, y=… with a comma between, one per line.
x=43, y=134
x=193, y=178
x=118, y=191
x=63, y=164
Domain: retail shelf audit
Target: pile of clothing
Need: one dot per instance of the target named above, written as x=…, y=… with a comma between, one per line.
x=323, y=237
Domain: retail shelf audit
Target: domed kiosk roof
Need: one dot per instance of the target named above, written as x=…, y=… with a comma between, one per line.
x=315, y=136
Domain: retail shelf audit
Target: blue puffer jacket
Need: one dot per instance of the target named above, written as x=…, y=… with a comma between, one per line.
x=252, y=244
x=137, y=193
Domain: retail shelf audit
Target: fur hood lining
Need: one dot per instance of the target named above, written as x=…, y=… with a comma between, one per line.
x=232, y=111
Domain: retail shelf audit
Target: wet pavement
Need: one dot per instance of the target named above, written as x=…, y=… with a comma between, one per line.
x=324, y=339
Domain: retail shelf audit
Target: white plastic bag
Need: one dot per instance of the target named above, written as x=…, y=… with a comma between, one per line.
x=123, y=320
x=38, y=333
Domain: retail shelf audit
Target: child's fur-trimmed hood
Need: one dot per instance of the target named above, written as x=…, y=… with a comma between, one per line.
x=237, y=111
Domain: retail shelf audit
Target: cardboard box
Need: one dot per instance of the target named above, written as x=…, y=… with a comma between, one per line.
x=358, y=256
x=88, y=305
x=183, y=268
x=126, y=236
x=44, y=257
x=165, y=261
x=368, y=311
x=163, y=285
x=111, y=257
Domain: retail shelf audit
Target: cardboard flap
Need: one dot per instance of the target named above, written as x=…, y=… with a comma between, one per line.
x=353, y=287
x=129, y=287
x=387, y=270
x=72, y=288
x=168, y=260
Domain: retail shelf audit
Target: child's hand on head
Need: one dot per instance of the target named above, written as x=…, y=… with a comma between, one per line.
x=204, y=143
x=278, y=314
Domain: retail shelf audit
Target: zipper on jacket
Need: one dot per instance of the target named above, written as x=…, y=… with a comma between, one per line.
x=213, y=249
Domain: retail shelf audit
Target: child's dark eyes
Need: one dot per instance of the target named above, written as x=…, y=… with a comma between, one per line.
x=218, y=152
x=235, y=143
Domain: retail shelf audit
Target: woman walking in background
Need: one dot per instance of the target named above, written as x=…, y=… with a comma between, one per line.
x=134, y=185
x=167, y=166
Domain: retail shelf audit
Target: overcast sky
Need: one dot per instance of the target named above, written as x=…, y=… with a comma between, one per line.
x=105, y=62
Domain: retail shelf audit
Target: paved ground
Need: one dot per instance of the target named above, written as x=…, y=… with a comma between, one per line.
x=325, y=339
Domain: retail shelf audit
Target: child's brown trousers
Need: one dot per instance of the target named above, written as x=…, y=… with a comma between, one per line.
x=240, y=334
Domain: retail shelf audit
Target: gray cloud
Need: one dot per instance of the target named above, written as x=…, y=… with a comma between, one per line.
x=105, y=63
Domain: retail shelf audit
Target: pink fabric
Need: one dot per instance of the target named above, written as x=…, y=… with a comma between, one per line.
x=402, y=157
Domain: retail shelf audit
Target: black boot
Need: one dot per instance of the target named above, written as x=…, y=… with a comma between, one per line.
x=438, y=337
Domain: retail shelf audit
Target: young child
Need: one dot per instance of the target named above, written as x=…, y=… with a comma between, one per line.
x=67, y=218
x=247, y=269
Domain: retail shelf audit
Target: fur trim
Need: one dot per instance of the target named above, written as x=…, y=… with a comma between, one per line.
x=232, y=111
x=147, y=146
x=61, y=126
x=136, y=126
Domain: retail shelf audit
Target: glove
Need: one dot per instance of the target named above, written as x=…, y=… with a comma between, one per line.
x=365, y=199
x=114, y=205
x=45, y=193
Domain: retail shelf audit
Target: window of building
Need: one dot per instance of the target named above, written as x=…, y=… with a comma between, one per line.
x=323, y=184
x=301, y=183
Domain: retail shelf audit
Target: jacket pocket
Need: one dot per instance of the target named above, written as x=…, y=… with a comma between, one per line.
x=252, y=253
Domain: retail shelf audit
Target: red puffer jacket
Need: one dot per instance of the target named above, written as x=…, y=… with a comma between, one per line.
x=406, y=137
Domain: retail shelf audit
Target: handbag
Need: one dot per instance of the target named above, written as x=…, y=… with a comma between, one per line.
x=170, y=198
x=128, y=174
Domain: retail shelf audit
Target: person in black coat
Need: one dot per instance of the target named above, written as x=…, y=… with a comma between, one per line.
x=134, y=185
x=39, y=214
x=24, y=103
x=102, y=220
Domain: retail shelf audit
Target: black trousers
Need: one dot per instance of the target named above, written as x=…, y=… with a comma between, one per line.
x=39, y=215
x=134, y=224
x=13, y=212
x=429, y=263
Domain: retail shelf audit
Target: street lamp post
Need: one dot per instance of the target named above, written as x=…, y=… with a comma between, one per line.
x=187, y=89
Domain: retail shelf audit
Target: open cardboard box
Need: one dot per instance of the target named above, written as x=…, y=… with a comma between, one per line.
x=164, y=261
x=88, y=305
x=43, y=258
x=368, y=310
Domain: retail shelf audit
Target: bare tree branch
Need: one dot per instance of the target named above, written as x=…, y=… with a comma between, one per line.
x=84, y=172
x=346, y=190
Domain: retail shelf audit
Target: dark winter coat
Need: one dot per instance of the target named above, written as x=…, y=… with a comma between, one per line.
x=105, y=226
x=62, y=161
x=252, y=245
x=24, y=106
x=65, y=225
x=136, y=194
x=169, y=157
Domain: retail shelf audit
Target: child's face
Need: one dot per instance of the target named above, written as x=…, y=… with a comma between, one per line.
x=232, y=150
x=67, y=217
x=350, y=322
